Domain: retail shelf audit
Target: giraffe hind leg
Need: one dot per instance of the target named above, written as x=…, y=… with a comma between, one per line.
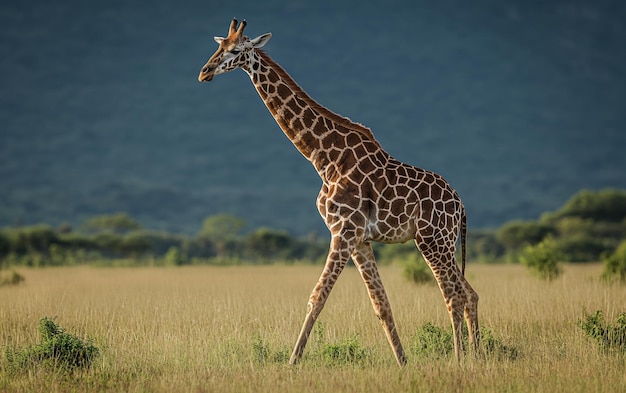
x=456, y=307
x=452, y=285
x=471, y=317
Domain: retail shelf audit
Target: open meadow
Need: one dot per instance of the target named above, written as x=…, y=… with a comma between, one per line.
x=230, y=329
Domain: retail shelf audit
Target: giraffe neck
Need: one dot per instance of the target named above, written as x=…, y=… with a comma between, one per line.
x=313, y=129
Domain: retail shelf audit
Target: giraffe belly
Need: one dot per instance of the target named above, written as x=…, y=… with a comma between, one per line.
x=387, y=226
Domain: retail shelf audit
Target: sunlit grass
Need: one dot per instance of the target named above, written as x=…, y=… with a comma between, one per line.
x=204, y=329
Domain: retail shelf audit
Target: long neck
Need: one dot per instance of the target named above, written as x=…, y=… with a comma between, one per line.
x=312, y=128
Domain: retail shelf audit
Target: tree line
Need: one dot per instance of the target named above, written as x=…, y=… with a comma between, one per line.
x=589, y=227
x=118, y=238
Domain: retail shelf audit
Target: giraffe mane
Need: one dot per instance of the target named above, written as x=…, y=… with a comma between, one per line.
x=322, y=110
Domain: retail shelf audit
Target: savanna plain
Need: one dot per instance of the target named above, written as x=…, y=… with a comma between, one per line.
x=230, y=329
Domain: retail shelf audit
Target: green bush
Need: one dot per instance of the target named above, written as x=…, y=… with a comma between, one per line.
x=57, y=349
x=492, y=346
x=416, y=270
x=174, y=257
x=607, y=336
x=542, y=259
x=264, y=354
x=615, y=264
x=346, y=351
x=434, y=342
x=349, y=350
x=406, y=255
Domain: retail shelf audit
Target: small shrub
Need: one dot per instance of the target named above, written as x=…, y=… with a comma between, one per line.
x=434, y=342
x=57, y=349
x=264, y=354
x=615, y=264
x=416, y=270
x=493, y=346
x=542, y=259
x=606, y=336
x=175, y=257
x=348, y=350
x=10, y=278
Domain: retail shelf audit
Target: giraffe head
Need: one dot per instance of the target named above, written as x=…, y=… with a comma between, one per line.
x=233, y=51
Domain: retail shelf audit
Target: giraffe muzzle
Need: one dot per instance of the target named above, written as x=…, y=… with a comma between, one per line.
x=206, y=74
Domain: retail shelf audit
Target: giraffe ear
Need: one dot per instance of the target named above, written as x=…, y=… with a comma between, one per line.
x=218, y=39
x=261, y=40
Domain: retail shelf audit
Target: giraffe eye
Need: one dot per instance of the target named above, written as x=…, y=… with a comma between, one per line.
x=235, y=51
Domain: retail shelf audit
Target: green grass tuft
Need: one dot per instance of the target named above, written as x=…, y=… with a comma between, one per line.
x=435, y=342
x=263, y=353
x=607, y=336
x=349, y=350
x=58, y=349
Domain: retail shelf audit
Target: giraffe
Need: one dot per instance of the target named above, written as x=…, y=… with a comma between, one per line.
x=366, y=195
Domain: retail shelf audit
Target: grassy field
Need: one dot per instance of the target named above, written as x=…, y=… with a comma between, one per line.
x=230, y=329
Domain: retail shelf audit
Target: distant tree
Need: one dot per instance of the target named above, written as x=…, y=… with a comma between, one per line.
x=222, y=226
x=203, y=247
x=542, y=259
x=483, y=245
x=268, y=243
x=5, y=244
x=516, y=234
x=36, y=238
x=78, y=241
x=134, y=244
x=582, y=248
x=107, y=243
x=5, y=247
x=117, y=223
x=219, y=233
x=605, y=205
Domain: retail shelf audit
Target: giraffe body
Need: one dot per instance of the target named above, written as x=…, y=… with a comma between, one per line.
x=366, y=194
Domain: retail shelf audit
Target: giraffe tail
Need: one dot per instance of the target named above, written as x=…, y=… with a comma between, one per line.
x=463, y=238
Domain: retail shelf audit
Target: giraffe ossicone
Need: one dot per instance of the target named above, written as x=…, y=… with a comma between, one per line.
x=366, y=194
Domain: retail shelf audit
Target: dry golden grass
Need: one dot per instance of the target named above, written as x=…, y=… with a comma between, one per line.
x=195, y=329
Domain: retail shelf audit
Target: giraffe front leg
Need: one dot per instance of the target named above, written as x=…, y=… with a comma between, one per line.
x=336, y=261
x=363, y=257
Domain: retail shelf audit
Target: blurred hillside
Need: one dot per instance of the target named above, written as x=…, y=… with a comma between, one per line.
x=519, y=104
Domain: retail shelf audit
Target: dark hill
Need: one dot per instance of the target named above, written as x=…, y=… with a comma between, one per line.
x=518, y=103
